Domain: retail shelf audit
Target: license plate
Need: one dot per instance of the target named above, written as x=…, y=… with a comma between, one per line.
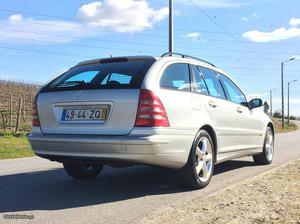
x=84, y=115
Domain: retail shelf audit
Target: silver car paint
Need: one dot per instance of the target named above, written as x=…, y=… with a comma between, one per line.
x=238, y=133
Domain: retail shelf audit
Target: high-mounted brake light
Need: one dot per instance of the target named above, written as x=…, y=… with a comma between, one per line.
x=35, y=115
x=113, y=60
x=151, y=112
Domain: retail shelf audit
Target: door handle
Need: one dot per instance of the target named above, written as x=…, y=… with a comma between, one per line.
x=239, y=110
x=212, y=104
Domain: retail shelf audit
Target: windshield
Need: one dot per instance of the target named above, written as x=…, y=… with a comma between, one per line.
x=116, y=75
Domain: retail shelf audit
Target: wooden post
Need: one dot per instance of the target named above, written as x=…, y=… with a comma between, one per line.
x=10, y=110
x=24, y=108
x=18, y=115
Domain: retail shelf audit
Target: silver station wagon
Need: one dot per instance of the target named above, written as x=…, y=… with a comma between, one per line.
x=172, y=111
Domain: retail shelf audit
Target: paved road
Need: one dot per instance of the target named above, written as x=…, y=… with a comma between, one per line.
x=38, y=187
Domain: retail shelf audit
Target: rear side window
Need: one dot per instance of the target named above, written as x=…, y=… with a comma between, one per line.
x=106, y=75
x=200, y=86
x=84, y=76
x=120, y=78
x=213, y=84
x=176, y=76
x=233, y=92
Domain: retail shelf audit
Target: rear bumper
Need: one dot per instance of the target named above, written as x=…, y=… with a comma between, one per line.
x=160, y=150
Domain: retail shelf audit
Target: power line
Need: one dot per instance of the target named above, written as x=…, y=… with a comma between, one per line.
x=222, y=28
x=85, y=38
x=115, y=41
x=222, y=67
x=44, y=52
x=128, y=50
x=76, y=45
x=75, y=61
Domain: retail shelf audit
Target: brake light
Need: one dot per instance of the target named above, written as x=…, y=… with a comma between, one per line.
x=151, y=112
x=35, y=115
x=113, y=60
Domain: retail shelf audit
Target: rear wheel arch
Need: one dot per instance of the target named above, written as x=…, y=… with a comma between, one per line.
x=213, y=136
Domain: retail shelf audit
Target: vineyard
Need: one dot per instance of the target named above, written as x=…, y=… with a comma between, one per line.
x=16, y=105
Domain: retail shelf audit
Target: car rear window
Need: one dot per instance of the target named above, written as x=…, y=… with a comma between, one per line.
x=127, y=74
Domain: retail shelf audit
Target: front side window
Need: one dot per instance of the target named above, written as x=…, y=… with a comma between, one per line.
x=176, y=76
x=213, y=84
x=233, y=92
x=200, y=86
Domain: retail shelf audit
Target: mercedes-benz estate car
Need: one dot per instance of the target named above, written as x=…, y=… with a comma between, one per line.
x=172, y=111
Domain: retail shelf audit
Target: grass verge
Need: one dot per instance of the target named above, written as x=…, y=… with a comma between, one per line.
x=14, y=146
x=288, y=128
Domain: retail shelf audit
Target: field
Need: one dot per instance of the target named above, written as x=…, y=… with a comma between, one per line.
x=16, y=105
x=15, y=118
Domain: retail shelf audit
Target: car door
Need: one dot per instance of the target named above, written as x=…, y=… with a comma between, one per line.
x=221, y=114
x=249, y=130
x=177, y=98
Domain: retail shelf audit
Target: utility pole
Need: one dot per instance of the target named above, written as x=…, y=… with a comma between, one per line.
x=289, y=101
x=282, y=92
x=282, y=98
x=271, y=101
x=170, y=26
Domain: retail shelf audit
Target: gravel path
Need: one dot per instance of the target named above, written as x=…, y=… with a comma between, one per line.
x=273, y=197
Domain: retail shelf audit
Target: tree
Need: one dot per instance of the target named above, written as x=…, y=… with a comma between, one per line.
x=266, y=107
x=277, y=114
x=292, y=117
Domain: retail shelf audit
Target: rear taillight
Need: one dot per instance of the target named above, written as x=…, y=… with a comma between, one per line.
x=151, y=112
x=35, y=115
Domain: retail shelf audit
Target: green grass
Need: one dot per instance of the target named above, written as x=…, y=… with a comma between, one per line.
x=14, y=146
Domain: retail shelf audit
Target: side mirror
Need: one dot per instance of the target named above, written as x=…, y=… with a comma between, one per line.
x=255, y=103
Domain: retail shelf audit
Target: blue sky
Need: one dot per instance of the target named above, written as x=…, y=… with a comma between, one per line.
x=247, y=39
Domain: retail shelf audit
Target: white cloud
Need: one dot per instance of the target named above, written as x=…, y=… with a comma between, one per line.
x=276, y=35
x=213, y=4
x=110, y=15
x=15, y=18
x=121, y=16
x=254, y=15
x=194, y=36
x=294, y=22
x=297, y=57
x=16, y=27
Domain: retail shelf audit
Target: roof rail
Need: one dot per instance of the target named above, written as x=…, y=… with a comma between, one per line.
x=186, y=56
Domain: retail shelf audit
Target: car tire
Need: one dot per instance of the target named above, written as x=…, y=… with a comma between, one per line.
x=82, y=171
x=266, y=157
x=199, y=169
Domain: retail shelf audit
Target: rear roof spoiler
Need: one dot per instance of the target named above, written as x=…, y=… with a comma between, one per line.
x=114, y=59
